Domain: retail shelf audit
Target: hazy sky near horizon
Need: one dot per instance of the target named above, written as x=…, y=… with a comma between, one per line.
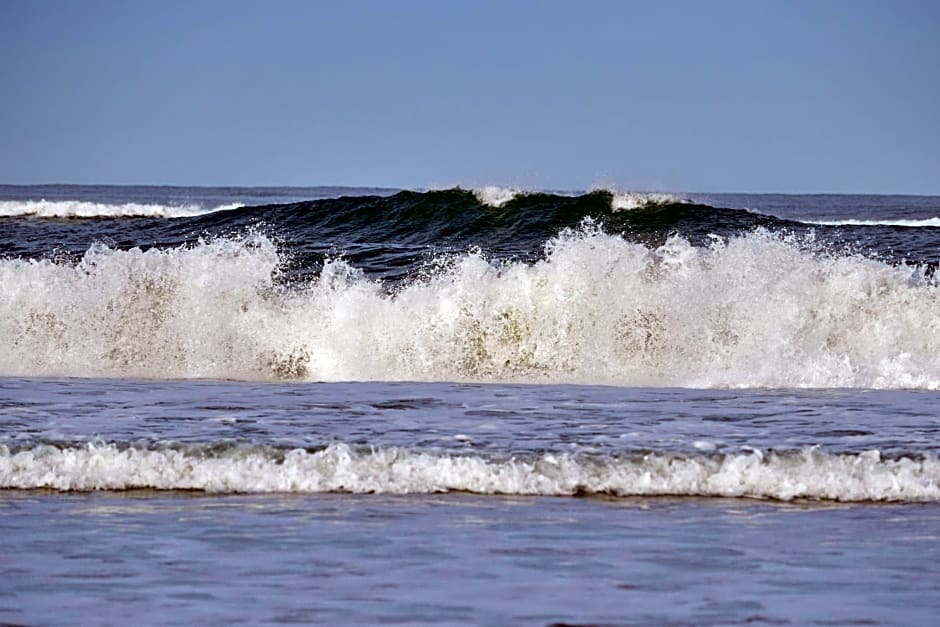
x=749, y=96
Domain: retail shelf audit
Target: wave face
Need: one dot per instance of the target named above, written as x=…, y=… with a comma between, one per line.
x=239, y=468
x=760, y=309
x=391, y=237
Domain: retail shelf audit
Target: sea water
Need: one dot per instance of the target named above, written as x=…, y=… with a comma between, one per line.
x=467, y=408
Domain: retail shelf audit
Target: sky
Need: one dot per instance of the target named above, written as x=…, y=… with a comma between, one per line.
x=722, y=96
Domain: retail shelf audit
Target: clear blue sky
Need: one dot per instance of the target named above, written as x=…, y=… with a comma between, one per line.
x=749, y=95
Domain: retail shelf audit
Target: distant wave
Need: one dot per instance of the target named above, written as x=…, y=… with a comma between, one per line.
x=807, y=473
x=756, y=310
x=83, y=209
x=929, y=222
x=494, y=196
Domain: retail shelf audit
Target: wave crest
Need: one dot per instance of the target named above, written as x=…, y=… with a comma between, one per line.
x=628, y=201
x=496, y=197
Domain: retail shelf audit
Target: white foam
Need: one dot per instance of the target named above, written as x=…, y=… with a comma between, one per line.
x=82, y=209
x=805, y=474
x=496, y=197
x=628, y=201
x=934, y=222
x=754, y=311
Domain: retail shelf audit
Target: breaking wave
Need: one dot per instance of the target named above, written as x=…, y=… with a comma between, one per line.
x=628, y=201
x=757, y=310
x=496, y=197
x=808, y=473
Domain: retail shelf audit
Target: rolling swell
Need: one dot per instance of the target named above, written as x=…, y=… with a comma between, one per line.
x=390, y=236
x=393, y=237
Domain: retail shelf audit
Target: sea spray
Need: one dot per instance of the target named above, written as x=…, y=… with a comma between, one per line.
x=762, y=310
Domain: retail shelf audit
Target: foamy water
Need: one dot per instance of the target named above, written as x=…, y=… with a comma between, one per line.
x=808, y=473
x=628, y=201
x=760, y=310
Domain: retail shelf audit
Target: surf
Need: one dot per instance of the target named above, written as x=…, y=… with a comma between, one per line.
x=806, y=473
x=758, y=310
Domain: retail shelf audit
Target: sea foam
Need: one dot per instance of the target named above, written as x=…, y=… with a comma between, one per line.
x=808, y=473
x=759, y=310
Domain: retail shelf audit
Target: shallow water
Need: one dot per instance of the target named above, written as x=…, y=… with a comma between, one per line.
x=461, y=559
x=468, y=416
x=170, y=557
x=844, y=445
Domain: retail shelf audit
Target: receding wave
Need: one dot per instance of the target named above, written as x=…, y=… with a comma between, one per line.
x=757, y=310
x=84, y=209
x=808, y=473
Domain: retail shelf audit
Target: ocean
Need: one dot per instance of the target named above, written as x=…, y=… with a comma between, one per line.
x=484, y=407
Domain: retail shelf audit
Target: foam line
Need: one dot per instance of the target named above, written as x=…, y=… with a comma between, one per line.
x=808, y=473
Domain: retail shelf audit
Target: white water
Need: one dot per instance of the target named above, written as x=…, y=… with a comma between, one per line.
x=807, y=473
x=755, y=311
x=83, y=209
x=628, y=201
x=934, y=222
